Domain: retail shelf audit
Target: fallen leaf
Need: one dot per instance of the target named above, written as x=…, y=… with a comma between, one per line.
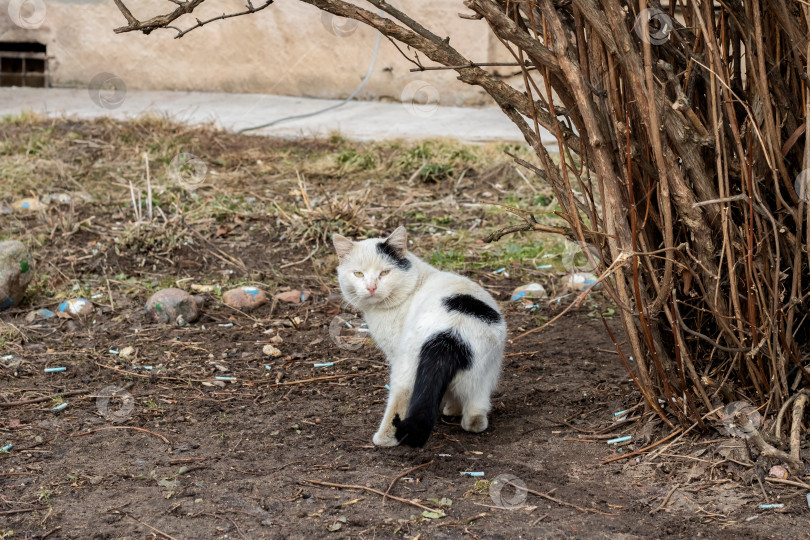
x=433, y=515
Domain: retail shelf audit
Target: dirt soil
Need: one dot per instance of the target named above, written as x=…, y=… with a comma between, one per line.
x=174, y=452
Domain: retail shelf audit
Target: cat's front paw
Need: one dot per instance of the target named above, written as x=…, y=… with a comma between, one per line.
x=475, y=423
x=386, y=438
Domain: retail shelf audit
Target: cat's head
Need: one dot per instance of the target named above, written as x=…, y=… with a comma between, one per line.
x=376, y=272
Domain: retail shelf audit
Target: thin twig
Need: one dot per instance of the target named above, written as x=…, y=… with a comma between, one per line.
x=156, y=531
x=665, y=501
x=41, y=399
x=22, y=510
x=394, y=481
x=559, y=501
x=378, y=492
x=161, y=437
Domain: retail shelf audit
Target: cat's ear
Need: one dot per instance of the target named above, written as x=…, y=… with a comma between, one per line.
x=343, y=246
x=398, y=240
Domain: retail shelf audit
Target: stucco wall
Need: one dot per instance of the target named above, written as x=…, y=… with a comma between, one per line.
x=290, y=48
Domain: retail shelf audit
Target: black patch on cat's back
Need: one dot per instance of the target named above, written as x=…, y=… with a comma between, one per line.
x=467, y=304
x=387, y=250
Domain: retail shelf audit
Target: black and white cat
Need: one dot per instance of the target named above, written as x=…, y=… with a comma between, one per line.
x=441, y=333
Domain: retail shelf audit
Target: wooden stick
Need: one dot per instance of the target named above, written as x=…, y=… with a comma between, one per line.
x=41, y=399
x=161, y=437
x=666, y=499
x=314, y=379
x=559, y=501
x=394, y=481
x=157, y=531
x=288, y=383
x=631, y=454
x=788, y=482
x=378, y=492
x=796, y=428
x=21, y=510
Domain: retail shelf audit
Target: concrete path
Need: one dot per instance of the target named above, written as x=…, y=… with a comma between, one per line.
x=357, y=120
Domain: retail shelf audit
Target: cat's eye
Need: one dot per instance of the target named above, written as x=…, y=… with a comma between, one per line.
x=385, y=273
x=358, y=274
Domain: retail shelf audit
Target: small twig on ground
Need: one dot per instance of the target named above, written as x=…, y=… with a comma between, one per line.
x=148, y=188
x=161, y=437
x=788, y=482
x=395, y=480
x=315, y=379
x=558, y=501
x=665, y=501
x=21, y=510
x=156, y=531
x=372, y=490
x=41, y=399
x=637, y=452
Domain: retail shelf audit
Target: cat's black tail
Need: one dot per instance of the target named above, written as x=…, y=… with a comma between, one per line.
x=440, y=358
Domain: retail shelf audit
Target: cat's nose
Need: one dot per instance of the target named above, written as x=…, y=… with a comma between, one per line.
x=371, y=288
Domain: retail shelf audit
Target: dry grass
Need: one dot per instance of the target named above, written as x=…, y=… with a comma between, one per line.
x=290, y=195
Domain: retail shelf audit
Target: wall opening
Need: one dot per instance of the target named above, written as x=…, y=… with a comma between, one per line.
x=23, y=64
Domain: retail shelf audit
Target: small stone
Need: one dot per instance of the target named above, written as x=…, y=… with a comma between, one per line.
x=30, y=203
x=16, y=271
x=579, y=281
x=293, y=297
x=244, y=298
x=39, y=314
x=173, y=306
x=76, y=308
x=270, y=350
x=777, y=471
x=126, y=352
x=530, y=290
x=203, y=288
x=57, y=198
x=276, y=340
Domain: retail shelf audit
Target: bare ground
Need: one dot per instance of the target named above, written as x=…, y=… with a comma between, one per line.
x=187, y=455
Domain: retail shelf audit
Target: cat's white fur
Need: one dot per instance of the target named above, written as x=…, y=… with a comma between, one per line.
x=404, y=311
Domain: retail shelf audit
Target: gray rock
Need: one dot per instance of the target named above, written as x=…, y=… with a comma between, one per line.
x=173, y=306
x=16, y=272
